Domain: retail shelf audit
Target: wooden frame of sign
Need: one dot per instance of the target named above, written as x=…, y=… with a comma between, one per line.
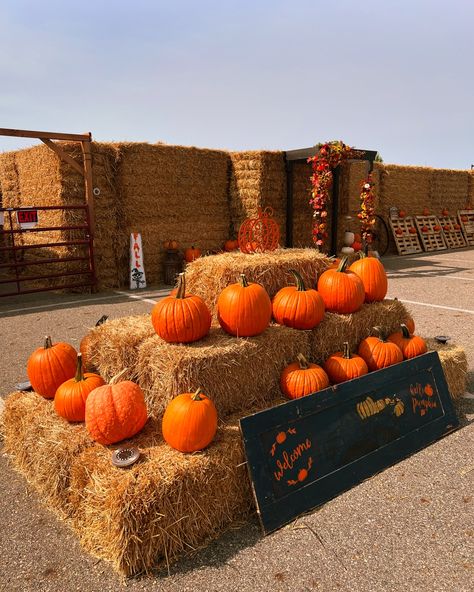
x=303, y=453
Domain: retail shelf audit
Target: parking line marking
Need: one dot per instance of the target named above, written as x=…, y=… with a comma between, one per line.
x=465, y=310
x=453, y=277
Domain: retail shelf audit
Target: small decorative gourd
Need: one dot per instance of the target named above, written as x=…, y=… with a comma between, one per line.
x=372, y=273
x=71, y=396
x=49, y=366
x=302, y=378
x=343, y=366
x=190, y=422
x=411, y=345
x=297, y=307
x=181, y=317
x=378, y=352
x=115, y=411
x=244, y=309
x=342, y=290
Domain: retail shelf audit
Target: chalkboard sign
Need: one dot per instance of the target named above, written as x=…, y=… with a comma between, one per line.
x=303, y=453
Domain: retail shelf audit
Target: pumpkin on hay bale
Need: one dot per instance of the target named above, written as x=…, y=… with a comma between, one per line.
x=163, y=506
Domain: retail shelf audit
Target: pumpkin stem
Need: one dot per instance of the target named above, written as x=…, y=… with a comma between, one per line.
x=346, y=352
x=181, y=291
x=342, y=264
x=47, y=342
x=118, y=376
x=243, y=280
x=304, y=364
x=197, y=395
x=405, y=331
x=379, y=332
x=362, y=255
x=300, y=287
x=79, y=374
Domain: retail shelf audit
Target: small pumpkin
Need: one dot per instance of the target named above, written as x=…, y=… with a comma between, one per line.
x=244, y=309
x=343, y=366
x=447, y=228
x=437, y=228
x=231, y=245
x=445, y=212
x=190, y=422
x=115, y=411
x=426, y=212
x=70, y=398
x=373, y=276
x=297, y=307
x=302, y=378
x=51, y=365
x=399, y=232
x=464, y=218
x=411, y=345
x=402, y=214
x=425, y=228
x=457, y=227
x=342, y=290
x=170, y=245
x=181, y=317
x=410, y=323
x=191, y=254
x=412, y=230
x=378, y=352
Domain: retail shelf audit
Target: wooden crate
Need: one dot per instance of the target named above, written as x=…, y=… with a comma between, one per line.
x=406, y=243
x=454, y=238
x=466, y=220
x=432, y=240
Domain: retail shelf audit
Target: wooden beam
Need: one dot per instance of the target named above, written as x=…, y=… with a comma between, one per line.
x=46, y=135
x=64, y=155
x=305, y=153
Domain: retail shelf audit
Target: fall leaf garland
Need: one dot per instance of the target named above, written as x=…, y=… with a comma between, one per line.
x=367, y=209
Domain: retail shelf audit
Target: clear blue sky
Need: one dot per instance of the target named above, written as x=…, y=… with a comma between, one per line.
x=396, y=76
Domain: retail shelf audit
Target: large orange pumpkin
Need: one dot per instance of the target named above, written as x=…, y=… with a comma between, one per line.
x=49, y=366
x=192, y=253
x=373, y=276
x=302, y=378
x=190, y=422
x=71, y=396
x=378, y=352
x=341, y=290
x=297, y=307
x=343, y=366
x=181, y=317
x=411, y=345
x=115, y=411
x=244, y=309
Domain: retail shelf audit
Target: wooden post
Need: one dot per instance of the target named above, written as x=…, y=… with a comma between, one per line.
x=87, y=154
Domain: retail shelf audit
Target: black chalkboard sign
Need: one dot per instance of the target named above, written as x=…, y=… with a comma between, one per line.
x=302, y=453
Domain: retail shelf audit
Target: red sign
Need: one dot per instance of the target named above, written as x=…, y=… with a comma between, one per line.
x=27, y=217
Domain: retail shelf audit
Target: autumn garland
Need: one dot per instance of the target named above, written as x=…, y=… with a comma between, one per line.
x=367, y=210
x=329, y=156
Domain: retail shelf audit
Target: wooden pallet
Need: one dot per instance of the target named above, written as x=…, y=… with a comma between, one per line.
x=432, y=240
x=406, y=243
x=466, y=220
x=454, y=238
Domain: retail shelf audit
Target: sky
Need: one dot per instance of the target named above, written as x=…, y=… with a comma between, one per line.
x=393, y=76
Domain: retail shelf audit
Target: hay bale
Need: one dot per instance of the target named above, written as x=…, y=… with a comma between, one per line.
x=113, y=346
x=43, y=445
x=208, y=276
x=334, y=329
x=235, y=373
x=454, y=361
x=166, y=504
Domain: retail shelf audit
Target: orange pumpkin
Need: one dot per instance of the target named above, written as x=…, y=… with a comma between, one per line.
x=426, y=212
x=231, y=245
x=302, y=378
x=457, y=227
x=425, y=229
x=402, y=214
x=437, y=228
x=181, y=317
x=447, y=228
x=343, y=366
x=410, y=323
x=445, y=212
x=297, y=307
x=49, y=366
x=411, y=345
x=71, y=396
x=373, y=276
x=399, y=232
x=341, y=290
x=192, y=253
x=244, y=309
x=189, y=422
x=412, y=230
x=379, y=353
x=115, y=411
x=170, y=244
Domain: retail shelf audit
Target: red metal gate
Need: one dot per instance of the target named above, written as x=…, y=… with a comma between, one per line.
x=20, y=252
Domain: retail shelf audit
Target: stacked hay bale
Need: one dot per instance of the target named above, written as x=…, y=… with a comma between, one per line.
x=257, y=180
x=302, y=211
x=171, y=192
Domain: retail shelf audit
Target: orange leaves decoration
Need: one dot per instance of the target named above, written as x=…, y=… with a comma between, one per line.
x=367, y=210
x=260, y=234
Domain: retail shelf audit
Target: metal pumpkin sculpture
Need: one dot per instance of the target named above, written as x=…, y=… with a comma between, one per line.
x=260, y=234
